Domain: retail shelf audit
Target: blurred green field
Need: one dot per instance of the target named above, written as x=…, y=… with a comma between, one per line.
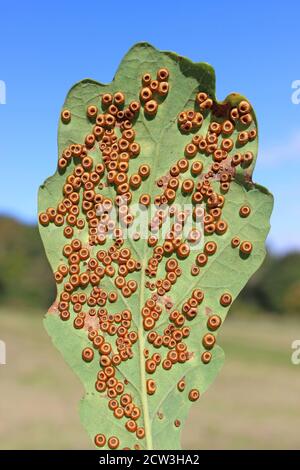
x=253, y=404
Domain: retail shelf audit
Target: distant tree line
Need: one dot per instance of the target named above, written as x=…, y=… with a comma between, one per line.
x=25, y=275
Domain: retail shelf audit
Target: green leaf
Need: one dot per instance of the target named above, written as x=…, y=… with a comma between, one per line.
x=162, y=144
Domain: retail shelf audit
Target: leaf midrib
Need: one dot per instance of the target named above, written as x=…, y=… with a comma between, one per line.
x=144, y=395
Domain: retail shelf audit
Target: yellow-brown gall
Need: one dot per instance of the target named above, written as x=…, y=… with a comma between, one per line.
x=151, y=107
x=118, y=412
x=135, y=413
x=90, y=140
x=201, y=259
x=225, y=299
x=132, y=284
x=227, y=145
x=98, y=132
x=181, y=385
x=146, y=94
x=196, y=168
x=131, y=425
x=144, y=171
x=221, y=227
x=210, y=248
x=166, y=364
x=119, y=99
x=67, y=250
x=63, y=269
x=145, y=200
x=218, y=156
x=134, y=106
x=62, y=163
x=106, y=100
x=195, y=270
x=125, y=399
x=244, y=107
x=100, y=440
x=236, y=159
x=163, y=88
x=246, y=247
x=207, y=104
x=151, y=387
x=252, y=134
x=162, y=74
x=109, y=371
x=234, y=114
x=227, y=128
x=173, y=182
x=66, y=116
x=202, y=145
x=112, y=404
x=187, y=186
x=110, y=120
x=247, y=158
x=156, y=358
x=146, y=79
x=201, y=97
x=140, y=433
x=182, y=118
x=214, y=322
x=153, y=86
x=206, y=357
x=235, y=242
x=198, y=295
x=113, y=442
x=76, y=244
x=171, y=265
x=65, y=315
x=245, y=211
x=135, y=181
x=44, y=219
x=88, y=354
x=183, y=165
x=112, y=297
x=78, y=322
x=148, y=324
x=170, y=194
x=150, y=365
x=197, y=121
x=208, y=341
x=58, y=220
x=190, y=114
x=174, y=171
x=246, y=119
x=190, y=150
x=100, y=120
x=186, y=127
x=92, y=111
x=194, y=235
x=194, y=394
x=243, y=137
x=183, y=250
x=100, y=386
x=214, y=128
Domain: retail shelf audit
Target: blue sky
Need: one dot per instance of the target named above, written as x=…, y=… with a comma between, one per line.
x=48, y=46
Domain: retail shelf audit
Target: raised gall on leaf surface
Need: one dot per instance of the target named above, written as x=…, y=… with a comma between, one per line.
x=152, y=226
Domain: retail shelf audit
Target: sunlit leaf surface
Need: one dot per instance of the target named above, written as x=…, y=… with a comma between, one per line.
x=137, y=313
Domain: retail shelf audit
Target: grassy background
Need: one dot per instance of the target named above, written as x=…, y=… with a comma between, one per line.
x=254, y=402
